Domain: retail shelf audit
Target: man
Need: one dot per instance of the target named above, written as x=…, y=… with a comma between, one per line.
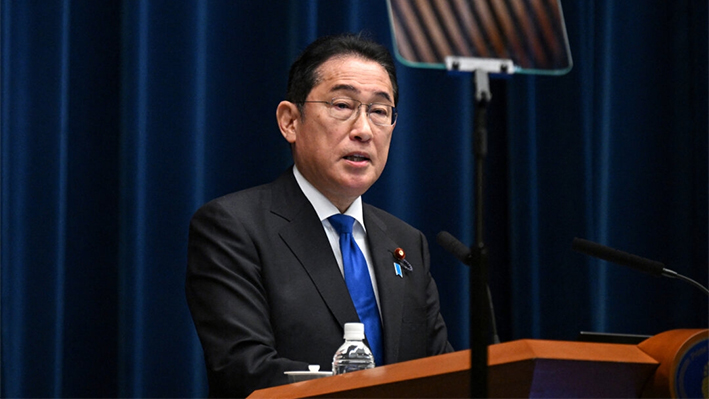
x=265, y=272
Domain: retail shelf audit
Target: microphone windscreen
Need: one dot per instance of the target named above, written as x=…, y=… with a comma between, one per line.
x=454, y=246
x=613, y=255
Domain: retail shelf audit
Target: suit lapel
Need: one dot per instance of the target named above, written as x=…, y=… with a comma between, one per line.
x=305, y=237
x=391, y=287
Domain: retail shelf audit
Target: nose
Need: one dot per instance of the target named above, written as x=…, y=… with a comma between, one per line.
x=361, y=128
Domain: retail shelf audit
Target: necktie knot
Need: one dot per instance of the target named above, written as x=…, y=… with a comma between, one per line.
x=342, y=223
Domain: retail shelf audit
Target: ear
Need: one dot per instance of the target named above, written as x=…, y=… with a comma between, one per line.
x=288, y=117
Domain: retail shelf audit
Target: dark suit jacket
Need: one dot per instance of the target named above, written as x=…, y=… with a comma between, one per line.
x=266, y=294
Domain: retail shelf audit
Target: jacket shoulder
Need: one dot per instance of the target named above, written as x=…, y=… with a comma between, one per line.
x=387, y=221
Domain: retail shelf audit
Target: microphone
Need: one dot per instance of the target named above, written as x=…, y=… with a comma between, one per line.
x=633, y=261
x=465, y=255
x=455, y=247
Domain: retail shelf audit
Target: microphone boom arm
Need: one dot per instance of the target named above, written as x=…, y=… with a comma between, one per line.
x=672, y=274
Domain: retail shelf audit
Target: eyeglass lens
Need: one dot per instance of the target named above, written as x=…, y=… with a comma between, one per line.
x=380, y=114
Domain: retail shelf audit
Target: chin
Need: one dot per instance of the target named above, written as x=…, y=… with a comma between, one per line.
x=357, y=187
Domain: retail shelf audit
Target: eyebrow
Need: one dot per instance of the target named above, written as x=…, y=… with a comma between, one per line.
x=356, y=91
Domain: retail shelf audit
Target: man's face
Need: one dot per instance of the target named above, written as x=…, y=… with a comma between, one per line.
x=342, y=159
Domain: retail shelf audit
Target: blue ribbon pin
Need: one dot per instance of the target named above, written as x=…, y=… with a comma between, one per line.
x=397, y=270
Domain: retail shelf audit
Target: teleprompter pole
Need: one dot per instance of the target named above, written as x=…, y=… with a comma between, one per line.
x=479, y=317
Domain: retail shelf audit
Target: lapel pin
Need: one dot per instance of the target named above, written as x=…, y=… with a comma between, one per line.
x=397, y=270
x=400, y=256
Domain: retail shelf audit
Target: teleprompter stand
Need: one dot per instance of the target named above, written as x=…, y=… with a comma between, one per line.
x=480, y=313
x=484, y=38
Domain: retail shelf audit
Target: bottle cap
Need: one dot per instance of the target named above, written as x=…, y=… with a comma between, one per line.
x=354, y=331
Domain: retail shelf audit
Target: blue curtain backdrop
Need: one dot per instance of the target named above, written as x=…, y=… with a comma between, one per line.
x=120, y=118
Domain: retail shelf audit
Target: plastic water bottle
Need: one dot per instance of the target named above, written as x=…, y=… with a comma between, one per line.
x=353, y=355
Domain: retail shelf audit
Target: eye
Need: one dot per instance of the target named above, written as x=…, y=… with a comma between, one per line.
x=343, y=104
x=380, y=109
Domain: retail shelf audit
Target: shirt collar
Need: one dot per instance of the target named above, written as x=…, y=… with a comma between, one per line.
x=323, y=207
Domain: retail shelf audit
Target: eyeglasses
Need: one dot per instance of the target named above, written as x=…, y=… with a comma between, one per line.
x=343, y=108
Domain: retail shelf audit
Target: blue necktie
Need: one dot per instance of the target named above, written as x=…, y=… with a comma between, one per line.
x=359, y=284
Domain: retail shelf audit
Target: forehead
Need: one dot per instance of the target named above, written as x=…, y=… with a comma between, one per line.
x=352, y=73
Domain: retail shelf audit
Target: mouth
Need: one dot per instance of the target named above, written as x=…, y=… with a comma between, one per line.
x=357, y=157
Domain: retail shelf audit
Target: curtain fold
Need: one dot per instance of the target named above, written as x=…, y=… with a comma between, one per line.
x=119, y=119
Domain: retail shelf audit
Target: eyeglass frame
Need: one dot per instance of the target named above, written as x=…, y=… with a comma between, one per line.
x=394, y=112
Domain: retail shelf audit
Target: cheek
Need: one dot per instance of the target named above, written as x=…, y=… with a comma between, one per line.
x=315, y=138
x=383, y=146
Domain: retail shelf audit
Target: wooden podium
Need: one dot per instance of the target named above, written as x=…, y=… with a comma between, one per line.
x=524, y=368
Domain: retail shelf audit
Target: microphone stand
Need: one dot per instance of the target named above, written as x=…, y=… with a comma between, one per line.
x=479, y=313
